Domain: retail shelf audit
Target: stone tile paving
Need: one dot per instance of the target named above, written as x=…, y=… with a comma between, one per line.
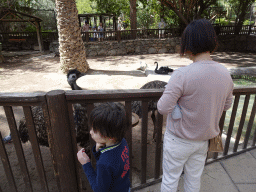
x=236, y=174
x=242, y=168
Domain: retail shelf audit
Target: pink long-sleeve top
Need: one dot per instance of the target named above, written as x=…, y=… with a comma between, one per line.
x=203, y=90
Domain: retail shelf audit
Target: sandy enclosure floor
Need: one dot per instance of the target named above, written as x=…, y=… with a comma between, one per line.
x=33, y=71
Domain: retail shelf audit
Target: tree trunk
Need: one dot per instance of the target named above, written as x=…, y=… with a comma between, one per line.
x=244, y=6
x=133, y=17
x=71, y=46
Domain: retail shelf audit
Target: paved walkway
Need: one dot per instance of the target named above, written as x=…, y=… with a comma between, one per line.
x=235, y=174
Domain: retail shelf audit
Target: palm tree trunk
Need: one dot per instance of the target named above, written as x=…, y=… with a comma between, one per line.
x=71, y=46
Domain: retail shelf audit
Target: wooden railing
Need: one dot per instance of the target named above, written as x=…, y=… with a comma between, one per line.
x=230, y=30
x=131, y=34
x=58, y=114
x=123, y=34
x=8, y=101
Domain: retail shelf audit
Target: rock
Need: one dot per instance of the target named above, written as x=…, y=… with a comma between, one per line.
x=151, y=50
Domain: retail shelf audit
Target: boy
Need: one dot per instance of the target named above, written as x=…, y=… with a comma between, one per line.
x=108, y=127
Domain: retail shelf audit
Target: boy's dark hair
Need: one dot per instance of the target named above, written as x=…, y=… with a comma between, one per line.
x=198, y=37
x=109, y=120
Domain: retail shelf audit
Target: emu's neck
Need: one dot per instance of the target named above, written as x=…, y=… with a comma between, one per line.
x=74, y=86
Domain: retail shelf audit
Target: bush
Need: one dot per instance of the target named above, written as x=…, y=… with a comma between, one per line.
x=221, y=21
x=247, y=22
x=30, y=28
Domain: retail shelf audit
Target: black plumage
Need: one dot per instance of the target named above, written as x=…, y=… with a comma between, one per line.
x=152, y=104
x=72, y=76
x=162, y=70
x=81, y=127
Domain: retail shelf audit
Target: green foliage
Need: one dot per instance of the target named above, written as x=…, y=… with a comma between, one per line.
x=16, y=5
x=112, y=7
x=171, y=19
x=43, y=9
x=147, y=16
x=247, y=22
x=222, y=21
x=30, y=28
x=149, y=12
x=240, y=7
x=84, y=6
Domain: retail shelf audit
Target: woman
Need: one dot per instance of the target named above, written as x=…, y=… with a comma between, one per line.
x=194, y=99
x=86, y=27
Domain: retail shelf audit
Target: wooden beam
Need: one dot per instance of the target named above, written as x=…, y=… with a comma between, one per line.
x=39, y=36
x=17, y=20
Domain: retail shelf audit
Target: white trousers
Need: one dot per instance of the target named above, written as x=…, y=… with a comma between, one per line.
x=179, y=154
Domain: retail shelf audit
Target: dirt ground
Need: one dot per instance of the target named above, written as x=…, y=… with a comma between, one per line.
x=33, y=71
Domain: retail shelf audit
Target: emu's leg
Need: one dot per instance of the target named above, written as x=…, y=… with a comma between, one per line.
x=153, y=117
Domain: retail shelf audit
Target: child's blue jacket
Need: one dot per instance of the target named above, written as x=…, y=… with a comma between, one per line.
x=112, y=169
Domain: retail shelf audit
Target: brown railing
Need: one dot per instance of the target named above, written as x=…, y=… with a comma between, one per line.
x=58, y=114
x=25, y=40
x=230, y=30
x=120, y=35
x=28, y=35
x=8, y=101
x=131, y=34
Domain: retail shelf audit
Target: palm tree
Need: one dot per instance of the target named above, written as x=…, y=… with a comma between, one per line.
x=71, y=46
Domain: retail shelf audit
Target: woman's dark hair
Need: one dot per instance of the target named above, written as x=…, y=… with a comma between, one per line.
x=198, y=37
x=109, y=120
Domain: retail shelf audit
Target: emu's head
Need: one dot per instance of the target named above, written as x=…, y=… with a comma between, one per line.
x=72, y=76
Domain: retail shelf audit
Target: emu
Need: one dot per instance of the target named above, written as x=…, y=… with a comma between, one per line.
x=79, y=114
x=152, y=105
x=81, y=127
x=72, y=76
x=162, y=70
x=136, y=105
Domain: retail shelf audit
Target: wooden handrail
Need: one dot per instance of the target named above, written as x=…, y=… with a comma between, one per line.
x=58, y=115
x=133, y=34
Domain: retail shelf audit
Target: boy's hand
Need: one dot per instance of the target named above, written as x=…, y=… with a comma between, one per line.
x=100, y=145
x=82, y=157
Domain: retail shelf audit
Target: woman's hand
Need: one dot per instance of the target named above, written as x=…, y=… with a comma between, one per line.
x=100, y=145
x=82, y=157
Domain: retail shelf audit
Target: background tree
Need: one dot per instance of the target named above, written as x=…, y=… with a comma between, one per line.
x=187, y=10
x=133, y=17
x=22, y=6
x=71, y=46
x=85, y=6
x=43, y=9
x=146, y=15
x=241, y=8
x=116, y=7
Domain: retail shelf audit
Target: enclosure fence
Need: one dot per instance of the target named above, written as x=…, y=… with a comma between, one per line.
x=58, y=111
x=25, y=40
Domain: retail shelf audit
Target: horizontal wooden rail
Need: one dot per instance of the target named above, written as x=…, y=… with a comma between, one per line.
x=116, y=94
x=58, y=115
x=130, y=94
x=121, y=35
x=21, y=97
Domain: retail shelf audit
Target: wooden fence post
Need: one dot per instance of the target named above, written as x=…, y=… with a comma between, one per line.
x=86, y=36
x=118, y=36
x=62, y=141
